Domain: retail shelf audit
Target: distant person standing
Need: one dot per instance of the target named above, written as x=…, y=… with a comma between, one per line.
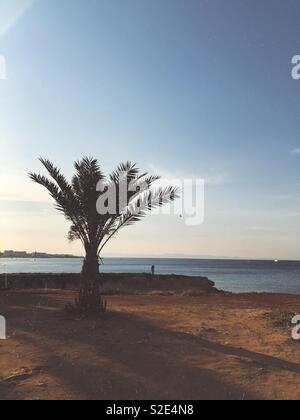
x=153, y=270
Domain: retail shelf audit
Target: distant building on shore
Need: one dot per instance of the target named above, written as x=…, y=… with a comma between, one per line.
x=15, y=254
x=24, y=254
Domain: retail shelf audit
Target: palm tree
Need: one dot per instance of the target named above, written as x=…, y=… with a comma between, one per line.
x=79, y=201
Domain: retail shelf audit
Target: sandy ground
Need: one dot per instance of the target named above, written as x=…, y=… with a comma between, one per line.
x=149, y=347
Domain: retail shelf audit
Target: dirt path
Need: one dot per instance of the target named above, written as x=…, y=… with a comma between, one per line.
x=149, y=347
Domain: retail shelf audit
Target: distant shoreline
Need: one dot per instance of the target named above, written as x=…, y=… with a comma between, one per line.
x=12, y=255
x=115, y=283
x=133, y=284
x=38, y=257
x=230, y=275
x=65, y=257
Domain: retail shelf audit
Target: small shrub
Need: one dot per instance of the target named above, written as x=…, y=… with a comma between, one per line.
x=282, y=318
x=193, y=293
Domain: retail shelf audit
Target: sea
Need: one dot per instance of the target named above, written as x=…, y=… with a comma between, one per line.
x=235, y=276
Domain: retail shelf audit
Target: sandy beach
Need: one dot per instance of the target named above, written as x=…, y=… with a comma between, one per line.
x=214, y=346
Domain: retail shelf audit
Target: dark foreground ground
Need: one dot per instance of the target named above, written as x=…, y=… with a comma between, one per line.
x=149, y=347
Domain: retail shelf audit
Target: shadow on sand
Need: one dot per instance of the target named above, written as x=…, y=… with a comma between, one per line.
x=124, y=357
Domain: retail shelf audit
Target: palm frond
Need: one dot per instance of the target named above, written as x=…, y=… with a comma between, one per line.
x=65, y=201
x=58, y=177
x=51, y=187
x=78, y=200
x=74, y=233
x=124, y=171
x=136, y=211
x=148, y=201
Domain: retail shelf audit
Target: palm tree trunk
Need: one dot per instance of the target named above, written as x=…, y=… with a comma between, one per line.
x=90, y=300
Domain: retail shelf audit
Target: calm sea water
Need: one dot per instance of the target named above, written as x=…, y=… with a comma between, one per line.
x=231, y=275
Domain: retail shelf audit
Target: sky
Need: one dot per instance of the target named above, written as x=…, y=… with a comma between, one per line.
x=187, y=88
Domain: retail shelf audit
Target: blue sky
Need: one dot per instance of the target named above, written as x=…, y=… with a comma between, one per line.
x=187, y=88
